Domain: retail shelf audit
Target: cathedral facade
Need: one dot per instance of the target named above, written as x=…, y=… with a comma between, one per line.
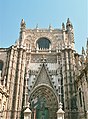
x=44, y=69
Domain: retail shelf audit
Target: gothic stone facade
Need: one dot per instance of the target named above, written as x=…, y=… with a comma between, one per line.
x=44, y=69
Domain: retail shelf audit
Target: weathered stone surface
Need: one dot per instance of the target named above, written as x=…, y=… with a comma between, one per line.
x=48, y=72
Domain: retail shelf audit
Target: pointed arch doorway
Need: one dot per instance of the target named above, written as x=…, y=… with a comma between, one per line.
x=44, y=103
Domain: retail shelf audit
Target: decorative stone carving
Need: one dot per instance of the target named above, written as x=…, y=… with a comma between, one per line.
x=37, y=58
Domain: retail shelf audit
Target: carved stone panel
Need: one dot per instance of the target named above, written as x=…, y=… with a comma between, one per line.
x=37, y=58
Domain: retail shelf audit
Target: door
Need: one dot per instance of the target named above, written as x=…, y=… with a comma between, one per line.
x=41, y=109
x=42, y=114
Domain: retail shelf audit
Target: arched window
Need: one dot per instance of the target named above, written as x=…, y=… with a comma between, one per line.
x=43, y=43
x=1, y=67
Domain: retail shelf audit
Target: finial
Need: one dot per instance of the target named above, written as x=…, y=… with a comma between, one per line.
x=50, y=27
x=60, y=105
x=83, y=51
x=23, y=25
x=63, y=26
x=68, y=20
x=37, y=26
x=28, y=105
x=60, y=112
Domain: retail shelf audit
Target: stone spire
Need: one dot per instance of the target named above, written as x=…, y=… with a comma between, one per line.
x=83, y=56
x=63, y=26
x=83, y=51
x=37, y=27
x=60, y=112
x=23, y=25
x=70, y=32
x=22, y=32
x=69, y=24
x=50, y=27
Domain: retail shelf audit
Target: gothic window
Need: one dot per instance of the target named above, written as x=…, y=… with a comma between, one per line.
x=43, y=43
x=80, y=97
x=1, y=67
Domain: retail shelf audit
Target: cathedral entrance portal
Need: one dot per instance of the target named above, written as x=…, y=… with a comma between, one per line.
x=44, y=104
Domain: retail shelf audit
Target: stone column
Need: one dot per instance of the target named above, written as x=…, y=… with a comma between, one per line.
x=35, y=114
x=10, y=66
x=87, y=114
x=17, y=84
x=37, y=49
x=11, y=79
x=21, y=84
x=60, y=112
x=50, y=48
x=26, y=84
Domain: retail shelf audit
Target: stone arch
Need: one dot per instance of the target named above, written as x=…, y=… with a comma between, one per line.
x=43, y=43
x=44, y=92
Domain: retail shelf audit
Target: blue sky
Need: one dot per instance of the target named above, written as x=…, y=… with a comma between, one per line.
x=43, y=13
